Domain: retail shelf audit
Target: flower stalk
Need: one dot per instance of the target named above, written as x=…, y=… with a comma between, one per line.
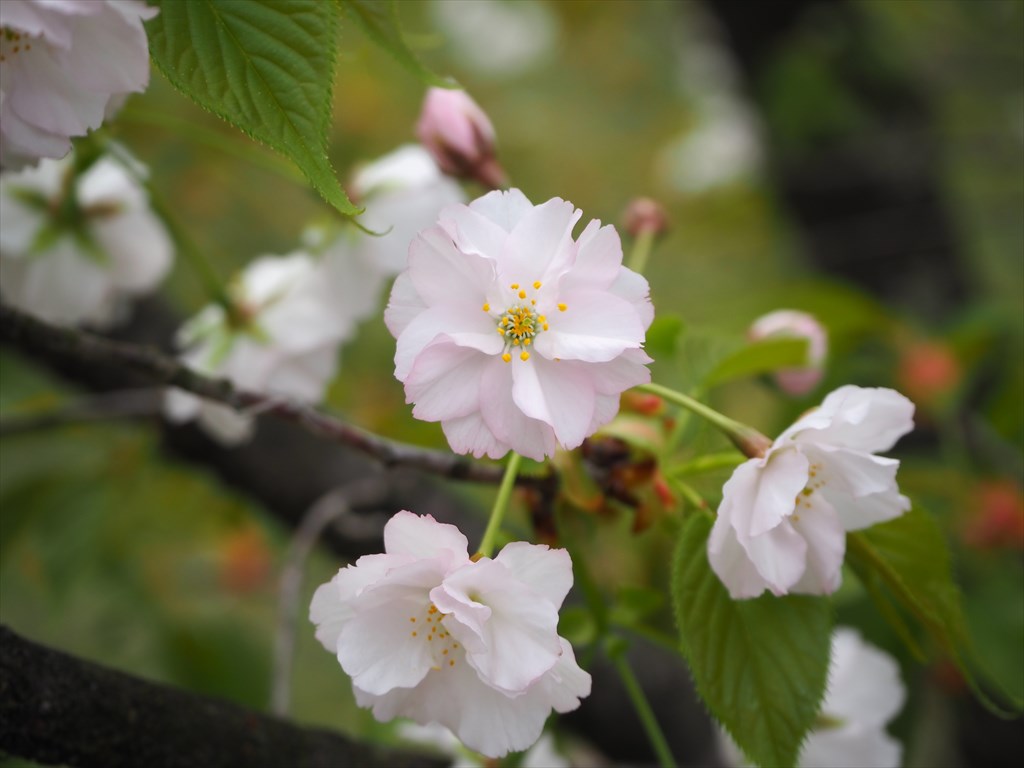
x=500, y=505
x=643, y=710
x=750, y=442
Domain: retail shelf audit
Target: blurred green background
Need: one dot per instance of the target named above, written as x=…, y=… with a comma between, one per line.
x=114, y=552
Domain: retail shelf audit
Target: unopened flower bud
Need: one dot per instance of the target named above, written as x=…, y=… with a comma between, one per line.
x=460, y=137
x=790, y=323
x=644, y=215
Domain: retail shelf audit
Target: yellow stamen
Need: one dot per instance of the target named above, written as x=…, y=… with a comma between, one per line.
x=541, y=319
x=515, y=286
x=487, y=307
x=525, y=356
x=526, y=342
x=545, y=326
x=507, y=357
x=522, y=294
x=562, y=307
x=536, y=286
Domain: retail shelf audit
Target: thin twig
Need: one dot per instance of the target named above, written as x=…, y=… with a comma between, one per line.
x=327, y=510
x=34, y=335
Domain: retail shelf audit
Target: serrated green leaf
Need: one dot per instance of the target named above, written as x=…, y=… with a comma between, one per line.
x=379, y=20
x=757, y=358
x=265, y=66
x=760, y=665
x=909, y=555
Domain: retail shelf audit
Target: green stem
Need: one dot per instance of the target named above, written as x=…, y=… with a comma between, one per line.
x=707, y=463
x=641, y=251
x=751, y=442
x=500, y=505
x=644, y=712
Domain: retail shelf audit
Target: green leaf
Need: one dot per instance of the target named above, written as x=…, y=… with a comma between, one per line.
x=379, y=20
x=760, y=665
x=266, y=67
x=663, y=336
x=910, y=557
x=757, y=358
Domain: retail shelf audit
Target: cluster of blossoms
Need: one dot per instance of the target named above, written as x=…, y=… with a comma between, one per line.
x=64, y=65
x=511, y=333
x=77, y=242
x=430, y=634
x=864, y=694
x=783, y=519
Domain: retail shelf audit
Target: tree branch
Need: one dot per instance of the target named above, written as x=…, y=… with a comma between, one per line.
x=31, y=334
x=55, y=708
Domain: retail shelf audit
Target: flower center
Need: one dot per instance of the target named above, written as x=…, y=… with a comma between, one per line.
x=13, y=43
x=426, y=627
x=804, y=499
x=520, y=323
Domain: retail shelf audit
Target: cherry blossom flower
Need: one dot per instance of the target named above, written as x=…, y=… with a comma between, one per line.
x=511, y=333
x=402, y=192
x=783, y=518
x=864, y=694
x=74, y=248
x=543, y=754
x=427, y=633
x=795, y=324
x=459, y=136
x=65, y=65
x=282, y=339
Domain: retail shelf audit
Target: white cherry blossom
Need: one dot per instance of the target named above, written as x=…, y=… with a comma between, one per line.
x=864, y=694
x=511, y=333
x=791, y=323
x=63, y=65
x=74, y=248
x=427, y=633
x=783, y=519
x=282, y=340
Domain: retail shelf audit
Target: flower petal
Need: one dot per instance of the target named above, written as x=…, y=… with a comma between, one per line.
x=864, y=682
x=730, y=563
x=444, y=382
x=466, y=327
x=506, y=208
x=506, y=421
x=819, y=525
x=404, y=305
x=598, y=259
x=851, y=747
x=422, y=536
x=595, y=327
x=443, y=274
x=548, y=572
x=560, y=396
x=762, y=492
x=541, y=246
x=780, y=556
x=860, y=418
x=469, y=434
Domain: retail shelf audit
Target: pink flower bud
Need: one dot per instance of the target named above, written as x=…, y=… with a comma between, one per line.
x=645, y=215
x=459, y=136
x=794, y=324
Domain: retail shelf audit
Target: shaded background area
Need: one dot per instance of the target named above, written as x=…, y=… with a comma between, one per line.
x=863, y=161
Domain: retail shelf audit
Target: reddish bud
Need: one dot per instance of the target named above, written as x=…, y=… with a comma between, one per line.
x=644, y=215
x=928, y=371
x=790, y=323
x=460, y=137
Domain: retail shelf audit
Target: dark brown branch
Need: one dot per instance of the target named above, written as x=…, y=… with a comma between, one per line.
x=55, y=708
x=156, y=368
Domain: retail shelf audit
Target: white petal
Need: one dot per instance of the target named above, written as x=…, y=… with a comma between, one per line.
x=851, y=747
x=865, y=511
x=853, y=472
x=566, y=683
x=541, y=246
x=546, y=571
x=329, y=614
x=520, y=638
x=562, y=396
x=404, y=305
x=819, y=524
x=474, y=232
x=225, y=425
x=469, y=434
x=442, y=274
x=765, y=491
x=109, y=54
x=44, y=97
x=635, y=289
x=780, y=556
x=864, y=682
x=180, y=406
x=624, y=372
x=864, y=419
x=304, y=376
x=465, y=326
x=509, y=425
x=444, y=382
x=422, y=536
x=505, y=208
x=595, y=327
x=730, y=563
x=598, y=259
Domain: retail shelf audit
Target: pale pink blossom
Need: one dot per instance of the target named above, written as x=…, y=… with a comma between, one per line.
x=74, y=249
x=511, y=333
x=791, y=323
x=864, y=694
x=282, y=339
x=459, y=135
x=62, y=65
x=427, y=633
x=783, y=519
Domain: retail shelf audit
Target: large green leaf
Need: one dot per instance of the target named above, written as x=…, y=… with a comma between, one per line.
x=910, y=558
x=265, y=66
x=379, y=20
x=760, y=357
x=760, y=665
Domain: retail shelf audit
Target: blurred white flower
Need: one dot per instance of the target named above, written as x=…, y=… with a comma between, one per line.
x=428, y=634
x=783, y=519
x=403, y=192
x=497, y=39
x=61, y=65
x=282, y=338
x=864, y=694
x=791, y=323
x=511, y=333
x=543, y=754
x=73, y=248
